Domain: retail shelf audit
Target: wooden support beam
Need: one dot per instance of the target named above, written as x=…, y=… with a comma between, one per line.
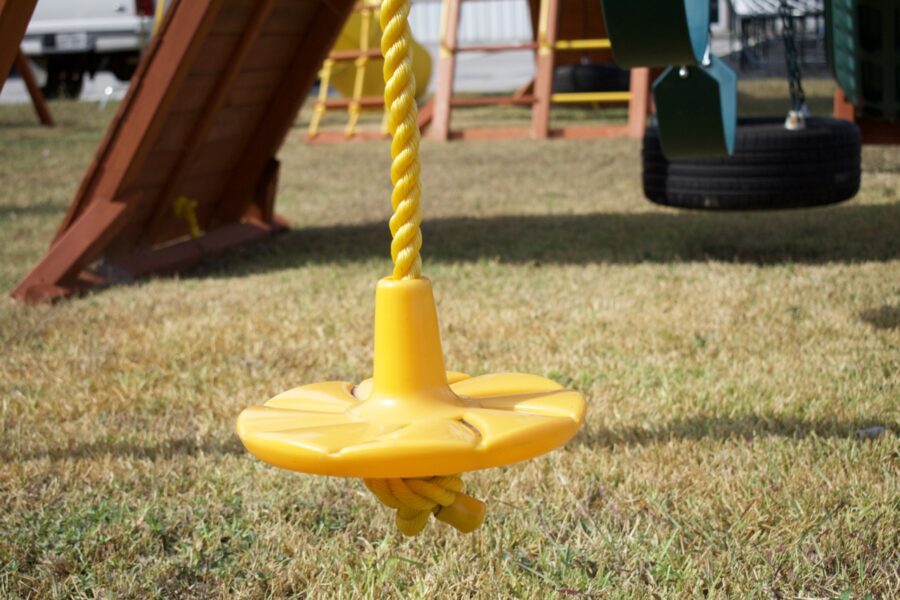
x=843, y=109
x=34, y=90
x=182, y=255
x=14, y=18
x=639, y=103
x=872, y=131
x=77, y=247
x=446, y=73
x=539, y=92
x=153, y=90
x=543, y=79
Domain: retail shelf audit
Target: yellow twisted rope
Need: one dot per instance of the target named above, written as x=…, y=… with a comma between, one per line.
x=414, y=499
x=400, y=104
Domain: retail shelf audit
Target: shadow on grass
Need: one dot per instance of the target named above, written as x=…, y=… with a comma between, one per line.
x=845, y=234
x=885, y=317
x=164, y=449
x=40, y=208
x=746, y=427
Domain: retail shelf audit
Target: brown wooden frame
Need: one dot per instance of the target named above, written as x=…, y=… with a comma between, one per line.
x=873, y=131
x=538, y=94
x=14, y=18
x=211, y=103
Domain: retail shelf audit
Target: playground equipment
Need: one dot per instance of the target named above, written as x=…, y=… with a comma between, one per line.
x=696, y=99
x=551, y=21
x=354, y=67
x=215, y=95
x=863, y=38
x=699, y=155
x=771, y=168
x=14, y=17
x=411, y=429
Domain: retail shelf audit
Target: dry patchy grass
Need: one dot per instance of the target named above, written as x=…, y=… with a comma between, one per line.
x=729, y=362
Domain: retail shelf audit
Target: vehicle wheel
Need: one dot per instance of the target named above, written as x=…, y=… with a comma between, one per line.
x=51, y=88
x=590, y=77
x=63, y=81
x=123, y=65
x=771, y=168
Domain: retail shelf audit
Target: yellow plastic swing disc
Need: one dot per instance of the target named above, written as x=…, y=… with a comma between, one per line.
x=413, y=419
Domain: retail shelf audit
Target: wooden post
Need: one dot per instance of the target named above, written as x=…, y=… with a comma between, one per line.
x=34, y=90
x=842, y=107
x=543, y=79
x=639, y=103
x=14, y=17
x=440, y=121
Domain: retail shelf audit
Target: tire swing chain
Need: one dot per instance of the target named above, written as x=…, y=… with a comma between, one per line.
x=796, y=118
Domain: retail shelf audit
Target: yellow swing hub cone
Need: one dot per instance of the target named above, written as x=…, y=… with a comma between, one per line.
x=411, y=429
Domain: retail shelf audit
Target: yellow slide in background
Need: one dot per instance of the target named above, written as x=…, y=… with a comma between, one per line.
x=343, y=74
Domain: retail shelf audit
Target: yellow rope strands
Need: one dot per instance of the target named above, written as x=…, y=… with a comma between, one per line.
x=400, y=103
x=415, y=500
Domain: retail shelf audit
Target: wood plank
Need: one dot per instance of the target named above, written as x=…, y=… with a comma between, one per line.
x=86, y=237
x=639, y=103
x=543, y=79
x=240, y=53
x=281, y=113
x=14, y=17
x=34, y=90
x=176, y=257
x=141, y=117
x=439, y=129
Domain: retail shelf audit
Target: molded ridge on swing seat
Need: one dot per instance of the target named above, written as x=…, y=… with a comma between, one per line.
x=698, y=113
x=657, y=34
x=413, y=418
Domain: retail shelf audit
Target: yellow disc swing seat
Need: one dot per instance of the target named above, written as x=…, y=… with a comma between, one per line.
x=414, y=426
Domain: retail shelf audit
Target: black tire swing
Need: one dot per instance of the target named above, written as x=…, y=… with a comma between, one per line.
x=700, y=155
x=771, y=168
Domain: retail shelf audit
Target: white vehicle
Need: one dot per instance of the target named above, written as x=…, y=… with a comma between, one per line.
x=70, y=39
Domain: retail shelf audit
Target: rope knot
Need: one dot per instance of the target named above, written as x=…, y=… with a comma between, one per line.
x=416, y=499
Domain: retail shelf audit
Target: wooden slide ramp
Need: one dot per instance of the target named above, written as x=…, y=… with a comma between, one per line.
x=210, y=105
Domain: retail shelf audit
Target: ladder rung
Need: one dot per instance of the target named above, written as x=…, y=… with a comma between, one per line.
x=590, y=97
x=348, y=55
x=496, y=48
x=368, y=102
x=595, y=44
x=492, y=101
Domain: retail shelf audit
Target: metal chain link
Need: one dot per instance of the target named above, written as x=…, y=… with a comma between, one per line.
x=791, y=58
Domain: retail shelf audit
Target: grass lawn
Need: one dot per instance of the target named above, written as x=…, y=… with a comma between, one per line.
x=729, y=361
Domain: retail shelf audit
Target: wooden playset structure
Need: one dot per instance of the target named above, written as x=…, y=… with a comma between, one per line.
x=873, y=130
x=574, y=28
x=213, y=99
x=862, y=38
x=564, y=33
x=14, y=17
x=354, y=67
